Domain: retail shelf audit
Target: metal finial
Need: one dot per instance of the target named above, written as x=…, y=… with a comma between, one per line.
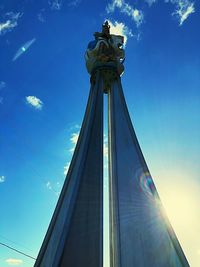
x=106, y=28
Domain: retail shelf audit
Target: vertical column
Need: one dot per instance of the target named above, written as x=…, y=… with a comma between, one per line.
x=74, y=237
x=140, y=233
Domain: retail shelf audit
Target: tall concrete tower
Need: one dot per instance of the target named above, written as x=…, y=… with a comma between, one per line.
x=140, y=233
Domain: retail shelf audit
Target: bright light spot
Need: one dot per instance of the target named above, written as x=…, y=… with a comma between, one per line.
x=181, y=207
x=14, y=262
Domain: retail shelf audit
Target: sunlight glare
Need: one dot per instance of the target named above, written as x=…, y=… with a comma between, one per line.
x=181, y=205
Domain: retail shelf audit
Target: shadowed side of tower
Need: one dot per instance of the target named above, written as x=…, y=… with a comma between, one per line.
x=74, y=237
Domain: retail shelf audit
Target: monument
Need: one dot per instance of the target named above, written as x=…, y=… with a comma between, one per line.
x=140, y=233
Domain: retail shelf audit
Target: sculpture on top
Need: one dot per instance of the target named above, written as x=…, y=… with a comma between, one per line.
x=106, y=51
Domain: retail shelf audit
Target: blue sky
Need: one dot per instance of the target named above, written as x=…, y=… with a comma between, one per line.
x=44, y=87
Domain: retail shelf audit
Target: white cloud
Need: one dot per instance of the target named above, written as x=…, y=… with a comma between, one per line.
x=74, y=3
x=71, y=150
x=5, y=26
x=120, y=28
x=136, y=15
x=11, y=21
x=183, y=9
x=55, y=4
x=34, y=101
x=53, y=187
x=73, y=140
x=41, y=16
x=2, y=179
x=14, y=262
x=74, y=127
x=66, y=168
x=151, y=2
x=111, y=7
x=2, y=85
x=48, y=185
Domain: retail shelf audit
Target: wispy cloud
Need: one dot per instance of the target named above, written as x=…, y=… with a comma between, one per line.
x=34, y=102
x=14, y=262
x=66, y=168
x=111, y=6
x=2, y=85
x=74, y=3
x=23, y=49
x=48, y=185
x=135, y=14
x=41, y=16
x=184, y=8
x=10, y=22
x=55, y=4
x=120, y=28
x=71, y=150
x=150, y=2
x=2, y=179
x=73, y=140
x=74, y=127
x=55, y=187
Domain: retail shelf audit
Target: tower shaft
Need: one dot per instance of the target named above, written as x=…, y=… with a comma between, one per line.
x=74, y=236
x=140, y=233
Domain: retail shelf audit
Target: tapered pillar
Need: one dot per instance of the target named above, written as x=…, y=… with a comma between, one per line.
x=74, y=237
x=140, y=233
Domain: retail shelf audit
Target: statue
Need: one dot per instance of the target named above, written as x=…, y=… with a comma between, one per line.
x=105, y=51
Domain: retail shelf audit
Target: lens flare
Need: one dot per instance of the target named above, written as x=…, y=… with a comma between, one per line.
x=146, y=183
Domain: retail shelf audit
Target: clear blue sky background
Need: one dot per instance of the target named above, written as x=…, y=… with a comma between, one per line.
x=37, y=135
